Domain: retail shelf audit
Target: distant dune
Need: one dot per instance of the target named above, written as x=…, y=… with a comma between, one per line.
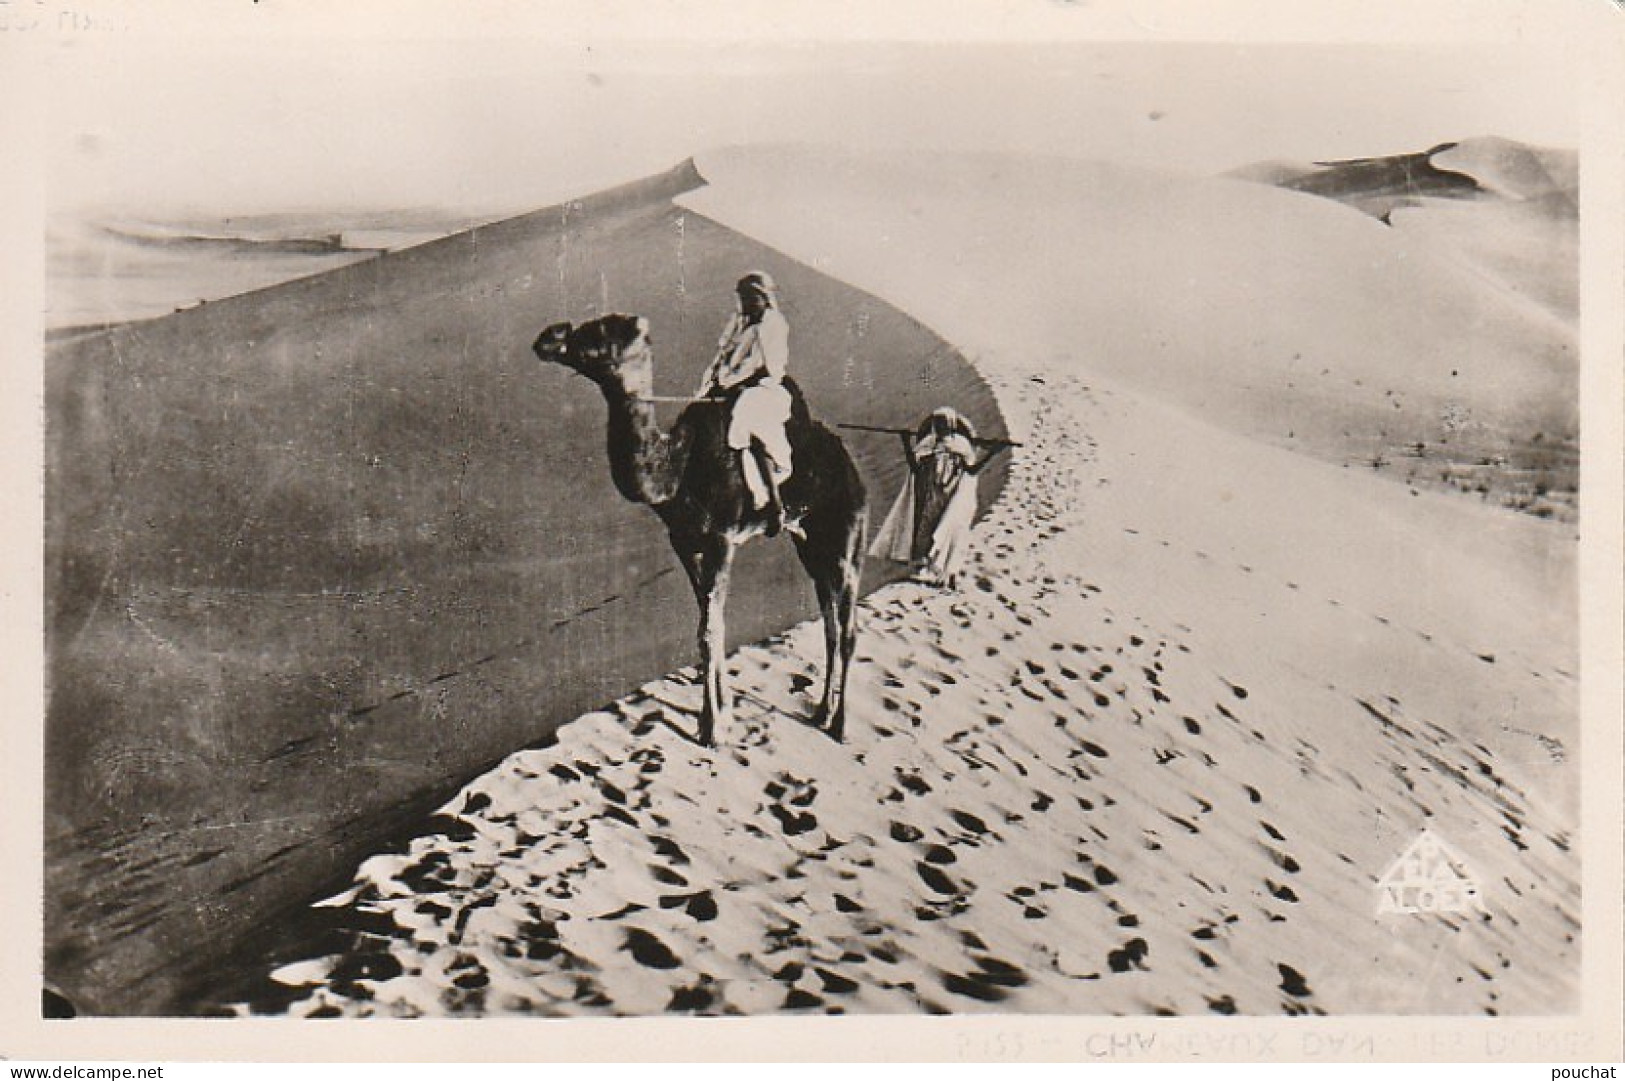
x=1507, y=214
x=1281, y=316
x=1516, y=170
x=1473, y=169
x=106, y=267
x=1376, y=185
x=293, y=245
x=318, y=554
x=1504, y=209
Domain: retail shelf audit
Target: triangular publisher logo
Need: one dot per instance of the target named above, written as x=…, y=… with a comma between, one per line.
x=1428, y=877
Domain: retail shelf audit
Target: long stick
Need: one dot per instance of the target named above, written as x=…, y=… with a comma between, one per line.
x=910, y=431
x=872, y=428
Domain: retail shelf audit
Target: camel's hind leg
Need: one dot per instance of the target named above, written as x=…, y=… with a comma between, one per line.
x=835, y=569
x=709, y=562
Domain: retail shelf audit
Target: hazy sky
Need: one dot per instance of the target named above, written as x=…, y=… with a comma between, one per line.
x=499, y=124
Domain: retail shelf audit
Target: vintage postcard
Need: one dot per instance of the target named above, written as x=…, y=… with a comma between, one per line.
x=1091, y=519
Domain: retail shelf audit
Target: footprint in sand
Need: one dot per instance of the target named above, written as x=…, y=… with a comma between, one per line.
x=1280, y=892
x=696, y=998
x=790, y=795
x=648, y=950
x=911, y=780
x=975, y=828
x=1293, y=981
x=702, y=906
x=936, y=880
x=1131, y=955
x=990, y=981
x=905, y=833
x=1281, y=859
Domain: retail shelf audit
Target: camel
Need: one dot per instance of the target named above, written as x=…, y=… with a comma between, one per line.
x=691, y=479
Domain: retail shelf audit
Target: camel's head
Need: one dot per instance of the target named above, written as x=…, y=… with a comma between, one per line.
x=612, y=349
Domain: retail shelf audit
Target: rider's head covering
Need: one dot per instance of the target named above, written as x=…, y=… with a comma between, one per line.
x=758, y=283
x=948, y=420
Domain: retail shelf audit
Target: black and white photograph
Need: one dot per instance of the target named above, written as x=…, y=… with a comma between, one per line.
x=745, y=514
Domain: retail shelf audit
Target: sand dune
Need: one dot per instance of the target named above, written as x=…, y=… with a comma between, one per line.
x=1200, y=692
x=1516, y=170
x=1529, y=247
x=1502, y=209
x=1280, y=315
x=104, y=276
x=1059, y=796
x=106, y=268
x=318, y=554
x=1472, y=170
x=1377, y=185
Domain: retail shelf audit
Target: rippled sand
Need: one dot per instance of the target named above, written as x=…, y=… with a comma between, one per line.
x=1059, y=794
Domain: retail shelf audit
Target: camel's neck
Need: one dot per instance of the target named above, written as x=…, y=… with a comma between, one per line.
x=645, y=463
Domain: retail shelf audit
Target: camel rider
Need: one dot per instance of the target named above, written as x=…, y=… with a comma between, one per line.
x=752, y=357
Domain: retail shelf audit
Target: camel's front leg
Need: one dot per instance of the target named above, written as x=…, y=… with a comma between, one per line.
x=835, y=572
x=846, y=603
x=709, y=565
